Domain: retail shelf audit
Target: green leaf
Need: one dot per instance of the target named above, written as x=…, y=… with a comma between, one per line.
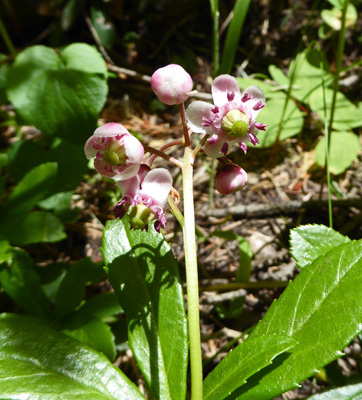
x=20, y=281
x=289, y=125
x=103, y=24
x=70, y=13
x=344, y=149
x=350, y=392
x=102, y=306
x=91, y=331
x=35, y=185
x=244, y=361
x=328, y=288
x=240, y=10
x=72, y=288
x=72, y=164
x=61, y=93
x=345, y=113
x=309, y=242
x=333, y=18
x=39, y=363
x=145, y=277
x=4, y=72
x=35, y=227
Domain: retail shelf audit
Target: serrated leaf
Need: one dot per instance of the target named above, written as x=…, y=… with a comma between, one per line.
x=328, y=288
x=39, y=363
x=309, y=242
x=244, y=361
x=349, y=392
x=344, y=149
x=35, y=227
x=69, y=88
x=35, y=185
x=71, y=290
x=144, y=275
x=20, y=282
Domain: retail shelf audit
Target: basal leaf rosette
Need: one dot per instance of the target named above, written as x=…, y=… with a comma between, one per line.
x=117, y=153
x=144, y=197
x=231, y=119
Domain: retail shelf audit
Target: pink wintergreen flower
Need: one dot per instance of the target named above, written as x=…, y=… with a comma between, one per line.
x=117, y=153
x=171, y=84
x=230, y=178
x=144, y=198
x=231, y=119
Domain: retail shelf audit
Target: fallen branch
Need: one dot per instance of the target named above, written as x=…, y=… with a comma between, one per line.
x=287, y=207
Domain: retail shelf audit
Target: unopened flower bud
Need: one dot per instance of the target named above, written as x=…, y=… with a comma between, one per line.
x=171, y=84
x=230, y=178
x=235, y=124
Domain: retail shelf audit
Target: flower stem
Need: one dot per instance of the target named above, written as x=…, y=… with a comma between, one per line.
x=192, y=281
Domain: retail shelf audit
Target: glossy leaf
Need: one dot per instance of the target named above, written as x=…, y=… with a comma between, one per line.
x=245, y=360
x=102, y=306
x=306, y=311
x=20, y=282
x=35, y=185
x=39, y=363
x=91, y=331
x=344, y=149
x=71, y=290
x=309, y=242
x=350, y=392
x=144, y=275
x=103, y=24
x=68, y=86
x=35, y=227
x=4, y=71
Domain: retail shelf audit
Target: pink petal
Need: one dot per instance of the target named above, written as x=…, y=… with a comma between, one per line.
x=157, y=186
x=110, y=130
x=129, y=187
x=134, y=149
x=257, y=96
x=126, y=172
x=213, y=149
x=196, y=114
x=89, y=150
x=223, y=85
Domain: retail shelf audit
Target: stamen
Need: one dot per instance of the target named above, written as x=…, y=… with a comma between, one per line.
x=243, y=147
x=231, y=96
x=207, y=121
x=260, y=126
x=224, y=148
x=215, y=110
x=245, y=97
x=254, y=140
x=259, y=105
x=213, y=139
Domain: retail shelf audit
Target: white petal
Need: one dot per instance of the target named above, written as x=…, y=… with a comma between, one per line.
x=157, y=185
x=223, y=85
x=195, y=114
x=134, y=149
x=129, y=187
x=127, y=173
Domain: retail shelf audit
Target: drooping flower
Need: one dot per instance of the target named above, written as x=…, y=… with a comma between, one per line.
x=232, y=118
x=230, y=178
x=171, y=84
x=144, y=197
x=117, y=153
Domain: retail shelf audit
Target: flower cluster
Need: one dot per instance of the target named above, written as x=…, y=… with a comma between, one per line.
x=119, y=155
x=230, y=120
